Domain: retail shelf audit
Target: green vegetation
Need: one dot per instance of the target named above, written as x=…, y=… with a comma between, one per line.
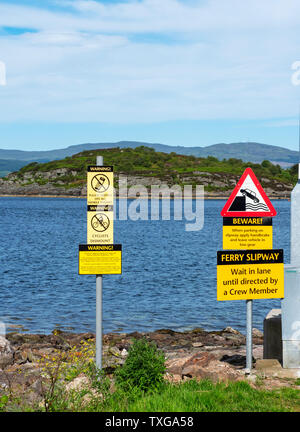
x=140, y=387
x=144, y=368
x=170, y=167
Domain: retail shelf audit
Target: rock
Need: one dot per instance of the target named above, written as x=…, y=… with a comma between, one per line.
x=124, y=352
x=198, y=330
x=174, y=366
x=232, y=337
x=5, y=347
x=257, y=333
x=230, y=330
x=236, y=360
x=6, y=353
x=172, y=378
x=206, y=366
x=159, y=337
x=82, y=337
x=200, y=365
x=166, y=331
x=114, y=351
x=79, y=383
x=251, y=378
x=197, y=344
x=196, y=363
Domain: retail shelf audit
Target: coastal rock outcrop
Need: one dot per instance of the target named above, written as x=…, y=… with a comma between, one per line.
x=195, y=354
x=6, y=353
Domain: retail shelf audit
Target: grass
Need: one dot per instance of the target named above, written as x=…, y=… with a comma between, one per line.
x=205, y=396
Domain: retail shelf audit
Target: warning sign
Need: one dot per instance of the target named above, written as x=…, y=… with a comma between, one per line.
x=247, y=233
x=100, y=259
x=100, y=182
x=100, y=224
x=248, y=199
x=100, y=256
x=244, y=275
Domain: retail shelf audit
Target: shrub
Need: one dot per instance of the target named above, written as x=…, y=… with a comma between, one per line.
x=143, y=369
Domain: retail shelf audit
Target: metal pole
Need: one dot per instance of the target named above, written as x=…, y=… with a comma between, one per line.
x=249, y=337
x=99, y=321
x=99, y=306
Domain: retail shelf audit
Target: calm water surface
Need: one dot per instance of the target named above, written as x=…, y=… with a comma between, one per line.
x=168, y=280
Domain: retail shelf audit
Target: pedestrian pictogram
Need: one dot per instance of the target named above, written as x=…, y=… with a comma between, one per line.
x=248, y=199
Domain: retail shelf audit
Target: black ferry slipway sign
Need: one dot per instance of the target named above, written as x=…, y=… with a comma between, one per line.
x=248, y=275
x=247, y=216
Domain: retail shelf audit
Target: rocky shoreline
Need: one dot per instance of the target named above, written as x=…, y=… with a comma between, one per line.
x=216, y=355
x=51, y=183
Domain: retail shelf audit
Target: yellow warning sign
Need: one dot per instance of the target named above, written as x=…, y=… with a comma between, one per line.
x=100, y=185
x=100, y=259
x=244, y=275
x=100, y=224
x=247, y=233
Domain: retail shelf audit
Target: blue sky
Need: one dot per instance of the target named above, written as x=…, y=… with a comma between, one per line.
x=178, y=72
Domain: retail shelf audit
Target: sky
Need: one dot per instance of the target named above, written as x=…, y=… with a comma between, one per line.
x=176, y=72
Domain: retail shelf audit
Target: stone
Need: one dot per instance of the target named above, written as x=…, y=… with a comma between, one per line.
x=257, y=333
x=236, y=360
x=124, y=352
x=230, y=330
x=200, y=365
x=197, y=344
x=172, y=378
x=208, y=367
x=6, y=353
x=174, y=366
x=114, y=351
x=79, y=383
x=5, y=347
x=267, y=364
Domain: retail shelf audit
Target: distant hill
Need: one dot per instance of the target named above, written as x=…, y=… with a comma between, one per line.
x=247, y=151
x=11, y=165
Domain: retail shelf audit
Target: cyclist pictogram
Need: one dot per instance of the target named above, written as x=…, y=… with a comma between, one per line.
x=100, y=222
x=100, y=183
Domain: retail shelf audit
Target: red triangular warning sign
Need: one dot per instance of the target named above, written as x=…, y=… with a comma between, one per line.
x=248, y=199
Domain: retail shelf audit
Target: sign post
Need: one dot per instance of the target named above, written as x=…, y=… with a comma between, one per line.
x=249, y=336
x=99, y=284
x=100, y=255
x=247, y=226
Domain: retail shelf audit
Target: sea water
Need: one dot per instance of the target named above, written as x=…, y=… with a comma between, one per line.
x=168, y=278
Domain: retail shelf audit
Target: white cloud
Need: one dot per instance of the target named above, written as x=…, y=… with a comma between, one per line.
x=219, y=60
